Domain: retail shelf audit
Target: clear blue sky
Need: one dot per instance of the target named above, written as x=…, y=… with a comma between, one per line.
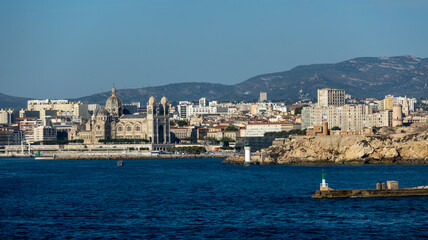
x=65, y=49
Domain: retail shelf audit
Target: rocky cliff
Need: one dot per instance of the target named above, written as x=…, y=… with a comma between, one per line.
x=391, y=145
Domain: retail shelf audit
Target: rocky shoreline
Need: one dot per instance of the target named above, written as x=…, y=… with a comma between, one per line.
x=401, y=145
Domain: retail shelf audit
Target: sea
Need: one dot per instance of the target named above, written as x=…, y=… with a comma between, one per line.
x=202, y=199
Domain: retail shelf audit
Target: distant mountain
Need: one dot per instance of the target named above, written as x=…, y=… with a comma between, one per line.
x=7, y=101
x=360, y=77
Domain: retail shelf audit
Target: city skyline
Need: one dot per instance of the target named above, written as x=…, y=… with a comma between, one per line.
x=87, y=46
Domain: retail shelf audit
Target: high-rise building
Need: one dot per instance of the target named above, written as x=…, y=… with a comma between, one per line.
x=203, y=102
x=331, y=97
x=263, y=97
x=389, y=102
x=7, y=116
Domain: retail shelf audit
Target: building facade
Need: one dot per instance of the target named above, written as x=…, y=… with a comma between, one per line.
x=331, y=97
x=347, y=117
x=63, y=107
x=111, y=123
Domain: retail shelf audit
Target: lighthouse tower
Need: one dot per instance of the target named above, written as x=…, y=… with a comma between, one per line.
x=324, y=185
x=247, y=153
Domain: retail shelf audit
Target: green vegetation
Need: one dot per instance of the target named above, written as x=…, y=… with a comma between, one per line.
x=123, y=141
x=336, y=128
x=190, y=150
x=227, y=148
x=62, y=142
x=298, y=111
x=231, y=128
x=181, y=123
x=285, y=134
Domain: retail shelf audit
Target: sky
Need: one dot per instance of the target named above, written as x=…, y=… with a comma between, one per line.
x=67, y=49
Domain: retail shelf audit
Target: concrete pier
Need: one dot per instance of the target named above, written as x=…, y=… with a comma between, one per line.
x=347, y=193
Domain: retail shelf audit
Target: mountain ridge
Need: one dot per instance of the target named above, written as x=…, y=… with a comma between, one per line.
x=361, y=77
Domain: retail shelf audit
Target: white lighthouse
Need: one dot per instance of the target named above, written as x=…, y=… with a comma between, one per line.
x=247, y=153
x=324, y=185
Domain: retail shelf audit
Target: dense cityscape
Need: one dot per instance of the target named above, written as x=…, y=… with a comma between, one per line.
x=46, y=127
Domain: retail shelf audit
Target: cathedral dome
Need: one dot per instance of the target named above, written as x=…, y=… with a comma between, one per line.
x=114, y=104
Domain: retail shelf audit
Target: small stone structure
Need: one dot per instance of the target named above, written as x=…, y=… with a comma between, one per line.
x=392, y=185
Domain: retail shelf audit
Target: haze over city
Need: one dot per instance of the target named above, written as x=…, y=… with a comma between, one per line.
x=66, y=49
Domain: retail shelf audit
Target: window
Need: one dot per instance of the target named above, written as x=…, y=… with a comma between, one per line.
x=137, y=128
x=128, y=128
x=120, y=129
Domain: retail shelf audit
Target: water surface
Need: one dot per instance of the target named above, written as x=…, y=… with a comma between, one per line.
x=202, y=198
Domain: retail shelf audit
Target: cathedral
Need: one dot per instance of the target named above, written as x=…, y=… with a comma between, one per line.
x=110, y=123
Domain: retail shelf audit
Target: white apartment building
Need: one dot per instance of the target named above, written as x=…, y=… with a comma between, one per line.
x=7, y=116
x=44, y=133
x=259, y=129
x=63, y=107
x=347, y=117
x=187, y=110
x=331, y=97
x=264, y=107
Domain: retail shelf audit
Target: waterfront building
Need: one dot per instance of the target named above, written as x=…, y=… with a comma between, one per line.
x=111, y=123
x=27, y=126
x=331, y=97
x=397, y=115
x=44, y=133
x=6, y=137
x=184, y=133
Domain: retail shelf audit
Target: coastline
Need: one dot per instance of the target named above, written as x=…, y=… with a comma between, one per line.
x=239, y=160
x=114, y=156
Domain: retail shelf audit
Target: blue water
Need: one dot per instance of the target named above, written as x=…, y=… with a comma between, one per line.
x=202, y=198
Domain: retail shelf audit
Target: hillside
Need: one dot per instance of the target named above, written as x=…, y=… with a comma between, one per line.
x=360, y=77
x=7, y=101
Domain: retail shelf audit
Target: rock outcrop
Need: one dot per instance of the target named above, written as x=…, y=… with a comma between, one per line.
x=390, y=145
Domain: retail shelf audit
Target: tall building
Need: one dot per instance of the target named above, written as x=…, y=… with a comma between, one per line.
x=7, y=116
x=202, y=102
x=263, y=97
x=405, y=106
x=389, y=102
x=331, y=97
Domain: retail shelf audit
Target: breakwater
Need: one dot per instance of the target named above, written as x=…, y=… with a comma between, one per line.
x=346, y=193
